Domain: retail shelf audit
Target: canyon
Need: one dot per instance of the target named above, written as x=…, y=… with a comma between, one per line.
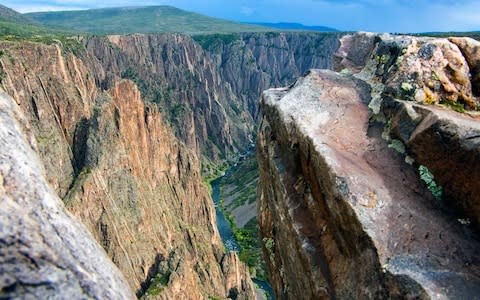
x=367, y=168
x=122, y=125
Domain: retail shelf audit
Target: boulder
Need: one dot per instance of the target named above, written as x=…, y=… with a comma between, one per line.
x=354, y=51
x=471, y=51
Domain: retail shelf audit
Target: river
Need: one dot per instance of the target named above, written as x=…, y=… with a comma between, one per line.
x=223, y=225
x=227, y=235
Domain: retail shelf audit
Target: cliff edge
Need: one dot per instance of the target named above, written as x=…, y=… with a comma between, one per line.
x=352, y=203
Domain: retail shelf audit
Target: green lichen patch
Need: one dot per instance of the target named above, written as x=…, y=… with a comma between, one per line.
x=429, y=179
x=398, y=146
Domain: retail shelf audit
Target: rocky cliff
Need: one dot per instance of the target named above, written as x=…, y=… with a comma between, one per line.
x=207, y=86
x=120, y=124
x=118, y=167
x=368, y=181
x=44, y=251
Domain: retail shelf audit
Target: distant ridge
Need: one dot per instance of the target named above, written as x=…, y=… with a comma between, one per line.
x=14, y=25
x=471, y=34
x=146, y=19
x=10, y=15
x=295, y=26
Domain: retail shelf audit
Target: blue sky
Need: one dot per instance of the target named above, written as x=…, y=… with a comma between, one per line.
x=367, y=15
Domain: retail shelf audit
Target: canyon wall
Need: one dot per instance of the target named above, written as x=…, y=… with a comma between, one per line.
x=44, y=251
x=355, y=199
x=119, y=168
x=207, y=86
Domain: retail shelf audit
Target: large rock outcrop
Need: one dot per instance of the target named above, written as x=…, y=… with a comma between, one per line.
x=429, y=90
x=45, y=253
x=343, y=210
x=120, y=169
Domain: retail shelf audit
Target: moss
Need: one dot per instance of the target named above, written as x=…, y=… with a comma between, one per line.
x=269, y=244
x=386, y=131
x=409, y=160
x=465, y=221
x=375, y=105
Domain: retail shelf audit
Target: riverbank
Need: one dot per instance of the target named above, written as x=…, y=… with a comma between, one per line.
x=237, y=185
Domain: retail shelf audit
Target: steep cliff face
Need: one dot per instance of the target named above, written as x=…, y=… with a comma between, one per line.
x=55, y=90
x=121, y=170
x=343, y=214
x=44, y=251
x=207, y=89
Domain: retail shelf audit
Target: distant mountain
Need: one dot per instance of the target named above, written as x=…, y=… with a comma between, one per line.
x=295, y=26
x=15, y=25
x=10, y=15
x=149, y=19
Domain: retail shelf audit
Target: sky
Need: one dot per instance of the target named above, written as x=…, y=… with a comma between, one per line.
x=362, y=15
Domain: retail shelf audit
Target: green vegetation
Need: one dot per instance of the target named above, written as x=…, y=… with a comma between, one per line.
x=157, y=284
x=214, y=42
x=10, y=30
x=211, y=171
x=456, y=106
x=429, y=179
x=269, y=244
x=150, y=19
x=16, y=27
x=242, y=184
x=398, y=146
x=76, y=187
x=8, y=14
x=250, y=248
